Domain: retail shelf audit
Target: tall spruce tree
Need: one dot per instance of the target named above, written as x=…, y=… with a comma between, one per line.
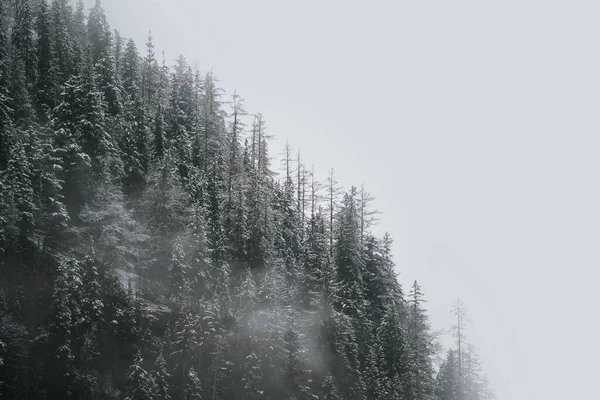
x=45, y=90
x=140, y=384
x=5, y=99
x=19, y=190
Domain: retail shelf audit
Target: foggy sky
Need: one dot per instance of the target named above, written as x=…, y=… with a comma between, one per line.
x=474, y=123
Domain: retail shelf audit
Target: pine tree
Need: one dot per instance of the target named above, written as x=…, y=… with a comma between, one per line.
x=346, y=348
x=118, y=54
x=193, y=386
x=133, y=170
x=473, y=379
x=391, y=338
x=140, y=384
x=214, y=219
x=211, y=121
x=166, y=201
x=107, y=78
x=349, y=262
x=372, y=375
x=488, y=391
x=135, y=141
x=51, y=217
x=19, y=189
x=179, y=273
x=447, y=386
x=45, y=64
x=21, y=102
x=158, y=140
x=259, y=243
x=131, y=71
x=219, y=366
x=294, y=382
x=24, y=62
x=79, y=30
x=315, y=261
x=63, y=52
x=74, y=163
x=89, y=152
x=333, y=191
x=288, y=229
x=329, y=390
x=5, y=100
x=246, y=298
x=234, y=219
x=150, y=75
x=91, y=303
x=65, y=315
x=262, y=368
x=184, y=343
x=459, y=333
x=382, y=289
x=161, y=378
x=98, y=27
x=421, y=348
x=181, y=111
x=96, y=141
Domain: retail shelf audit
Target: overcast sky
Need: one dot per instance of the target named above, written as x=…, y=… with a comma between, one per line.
x=474, y=123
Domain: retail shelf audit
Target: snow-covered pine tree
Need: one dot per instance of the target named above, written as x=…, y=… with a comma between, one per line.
x=16, y=181
x=473, y=379
x=333, y=192
x=22, y=64
x=150, y=76
x=193, y=386
x=95, y=140
x=78, y=25
x=102, y=56
x=130, y=68
x=420, y=346
x=184, y=343
x=234, y=212
x=63, y=52
x=158, y=135
x=211, y=122
x=24, y=59
x=161, y=378
x=166, y=202
x=135, y=142
x=44, y=89
x=392, y=339
x=260, y=215
x=65, y=315
x=179, y=273
x=181, y=112
x=329, y=390
x=140, y=383
x=447, y=386
x=5, y=100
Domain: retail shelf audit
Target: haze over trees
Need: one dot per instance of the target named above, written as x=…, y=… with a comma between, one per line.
x=149, y=249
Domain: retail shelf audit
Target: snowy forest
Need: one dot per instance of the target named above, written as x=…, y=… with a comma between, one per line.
x=150, y=248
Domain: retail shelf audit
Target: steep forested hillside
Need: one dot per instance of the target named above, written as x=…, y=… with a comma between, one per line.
x=148, y=250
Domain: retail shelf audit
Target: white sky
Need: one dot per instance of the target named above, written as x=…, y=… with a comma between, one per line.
x=474, y=123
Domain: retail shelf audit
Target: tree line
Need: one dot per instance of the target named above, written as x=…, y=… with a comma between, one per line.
x=149, y=250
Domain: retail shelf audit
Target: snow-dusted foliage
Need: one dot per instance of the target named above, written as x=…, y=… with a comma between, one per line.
x=148, y=250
